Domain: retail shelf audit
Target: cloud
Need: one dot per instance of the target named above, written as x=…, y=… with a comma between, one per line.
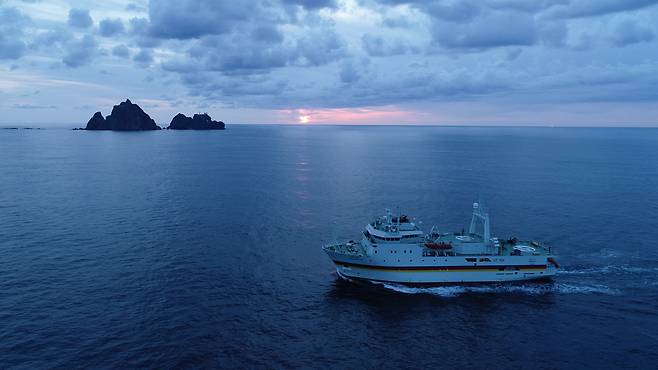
x=51, y=40
x=267, y=33
x=589, y=8
x=382, y=46
x=312, y=4
x=111, y=27
x=629, y=32
x=553, y=33
x=11, y=48
x=486, y=31
x=135, y=7
x=80, y=52
x=80, y=18
x=348, y=72
x=601, y=81
x=240, y=54
x=186, y=19
x=32, y=106
x=291, y=54
x=273, y=57
x=121, y=51
x=466, y=10
x=535, y=6
x=144, y=57
x=397, y=22
x=12, y=25
x=194, y=19
x=320, y=46
x=139, y=30
x=253, y=45
x=457, y=11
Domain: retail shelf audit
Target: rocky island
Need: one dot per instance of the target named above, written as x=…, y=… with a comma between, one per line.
x=124, y=117
x=197, y=122
x=130, y=117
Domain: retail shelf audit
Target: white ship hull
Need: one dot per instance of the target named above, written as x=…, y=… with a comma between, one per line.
x=444, y=275
x=446, y=270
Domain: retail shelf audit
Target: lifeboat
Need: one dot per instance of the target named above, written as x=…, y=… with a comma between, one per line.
x=439, y=246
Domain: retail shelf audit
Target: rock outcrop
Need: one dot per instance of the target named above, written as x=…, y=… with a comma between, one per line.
x=124, y=117
x=97, y=122
x=198, y=122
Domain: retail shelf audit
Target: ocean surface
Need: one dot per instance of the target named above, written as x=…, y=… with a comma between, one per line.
x=177, y=249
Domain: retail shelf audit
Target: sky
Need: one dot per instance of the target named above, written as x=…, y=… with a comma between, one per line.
x=468, y=62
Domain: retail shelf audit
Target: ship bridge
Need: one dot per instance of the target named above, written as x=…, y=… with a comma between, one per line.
x=389, y=228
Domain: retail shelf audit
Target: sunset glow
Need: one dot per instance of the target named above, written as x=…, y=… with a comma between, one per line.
x=363, y=115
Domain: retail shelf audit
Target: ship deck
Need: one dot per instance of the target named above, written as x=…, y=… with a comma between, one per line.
x=349, y=248
x=501, y=247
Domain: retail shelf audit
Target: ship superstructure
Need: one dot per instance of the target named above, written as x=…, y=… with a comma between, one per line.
x=394, y=249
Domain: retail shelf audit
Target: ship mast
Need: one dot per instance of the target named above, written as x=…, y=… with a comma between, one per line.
x=480, y=215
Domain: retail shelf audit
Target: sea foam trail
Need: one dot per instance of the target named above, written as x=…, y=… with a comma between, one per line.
x=610, y=269
x=529, y=289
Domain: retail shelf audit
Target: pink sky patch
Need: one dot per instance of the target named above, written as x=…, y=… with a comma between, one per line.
x=364, y=115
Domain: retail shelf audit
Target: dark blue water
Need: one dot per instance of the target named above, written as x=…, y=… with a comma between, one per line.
x=202, y=249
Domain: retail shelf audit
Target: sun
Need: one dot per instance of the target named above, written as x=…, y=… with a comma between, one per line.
x=304, y=119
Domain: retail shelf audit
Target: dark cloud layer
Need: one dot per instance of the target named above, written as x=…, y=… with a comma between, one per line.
x=383, y=46
x=80, y=18
x=486, y=31
x=313, y=4
x=144, y=57
x=111, y=27
x=121, y=51
x=185, y=19
x=80, y=52
x=249, y=41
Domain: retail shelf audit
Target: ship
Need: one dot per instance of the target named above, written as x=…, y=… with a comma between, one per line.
x=394, y=249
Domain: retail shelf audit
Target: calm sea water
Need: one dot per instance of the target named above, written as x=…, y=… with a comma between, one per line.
x=202, y=249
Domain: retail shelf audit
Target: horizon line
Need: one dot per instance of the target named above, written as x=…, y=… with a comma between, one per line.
x=474, y=125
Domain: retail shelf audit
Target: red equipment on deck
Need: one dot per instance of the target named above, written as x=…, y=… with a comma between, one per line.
x=440, y=245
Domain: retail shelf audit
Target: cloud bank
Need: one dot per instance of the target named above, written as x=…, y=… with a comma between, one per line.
x=342, y=55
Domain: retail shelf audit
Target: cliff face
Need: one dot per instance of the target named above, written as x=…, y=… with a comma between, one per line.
x=130, y=117
x=124, y=117
x=198, y=122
